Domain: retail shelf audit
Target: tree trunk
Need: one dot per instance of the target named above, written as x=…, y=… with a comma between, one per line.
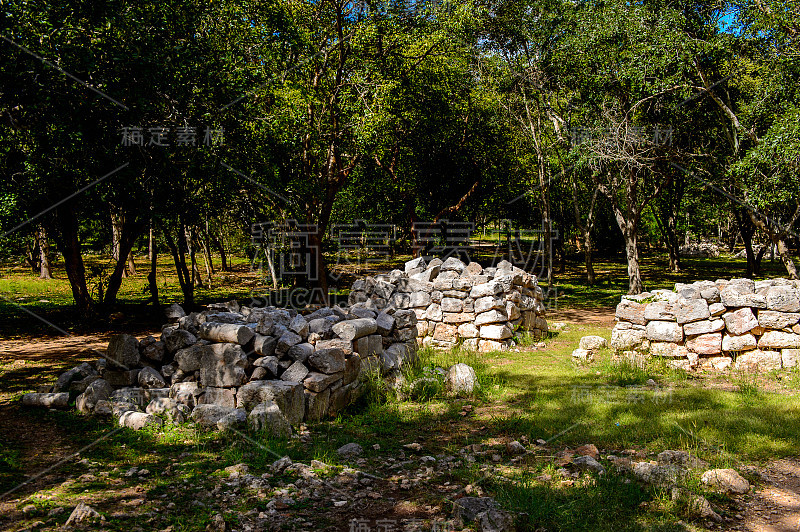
x=587, y=257
x=191, y=241
x=271, y=265
x=777, y=237
x=131, y=269
x=219, y=243
x=632, y=254
x=44, y=254
x=203, y=237
x=746, y=230
x=117, y=223
x=128, y=233
x=73, y=260
x=178, y=251
x=152, y=280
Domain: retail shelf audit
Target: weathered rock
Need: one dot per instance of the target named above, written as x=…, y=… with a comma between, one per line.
x=783, y=299
x=631, y=311
x=233, y=420
x=300, y=352
x=491, y=316
x=327, y=360
x=740, y=321
x=689, y=310
x=659, y=475
x=770, y=319
x=664, y=331
x=82, y=515
x=790, y=358
x=155, y=351
x=624, y=337
x=287, y=395
x=486, y=289
x=70, y=376
x=175, y=339
x=189, y=358
x=231, y=333
x=779, y=339
x=218, y=396
x=705, y=344
x=47, y=400
x=267, y=416
x=466, y=509
x=150, y=378
x=295, y=373
x=495, y=332
x=587, y=463
x=583, y=355
x=593, y=343
x=703, y=327
x=461, y=379
x=725, y=480
x=350, y=450
x=207, y=416
x=758, y=361
x=264, y=345
x=139, y=420
x=97, y=391
x=744, y=342
x=123, y=349
x=223, y=365
x=299, y=325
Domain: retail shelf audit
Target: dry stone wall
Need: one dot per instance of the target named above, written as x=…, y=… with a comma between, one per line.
x=740, y=323
x=231, y=365
x=458, y=303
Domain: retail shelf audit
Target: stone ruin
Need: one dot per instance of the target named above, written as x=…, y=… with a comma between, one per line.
x=457, y=303
x=750, y=326
x=230, y=365
x=273, y=368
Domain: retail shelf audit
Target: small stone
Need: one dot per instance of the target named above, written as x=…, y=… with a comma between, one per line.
x=350, y=450
x=587, y=463
x=725, y=480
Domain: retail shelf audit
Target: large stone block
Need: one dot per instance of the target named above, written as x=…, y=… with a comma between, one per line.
x=123, y=349
x=232, y=333
x=486, y=289
x=689, y=310
x=327, y=360
x=445, y=332
x=779, y=340
x=317, y=404
x=703, y=327
x=459, y=317
x=495, y=332
x=223, y=365
x=659, y=310
x=189, y=358
x=626, y=338
x=217, y=396
x=758, y=361
x=770, y=319
x=744, y=342
x=740, y=321
x=287, y=395
x=664, y=331
x=491, y=316
x=790, y=358
x=468, y=330
x=295, y=373
x=783, y=299
x=631, y=311
x=705, y=344
x=404, y=319
x=452, y=304
x=269, y=418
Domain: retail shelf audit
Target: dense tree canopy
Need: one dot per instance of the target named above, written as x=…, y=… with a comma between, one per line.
x=181, y=123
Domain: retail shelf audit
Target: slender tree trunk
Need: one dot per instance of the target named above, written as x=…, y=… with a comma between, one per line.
x=209, y=265
x=131, y=269
x=129, y=232
x=271, y=265
x=44, y=254
x=219, y=243
x=778, y=239
x=178, y=251
x=587, y=257
x=152, y=279
x=117, y=223
x=32, y=254
x=632, y=254
x=73, y=260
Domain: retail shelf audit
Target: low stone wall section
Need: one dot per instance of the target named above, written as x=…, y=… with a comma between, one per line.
x=456, y=303
x=739, y=323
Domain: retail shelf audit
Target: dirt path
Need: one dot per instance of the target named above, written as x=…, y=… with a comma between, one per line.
x=594, y=316
x=775, y=506
x=60, y=348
